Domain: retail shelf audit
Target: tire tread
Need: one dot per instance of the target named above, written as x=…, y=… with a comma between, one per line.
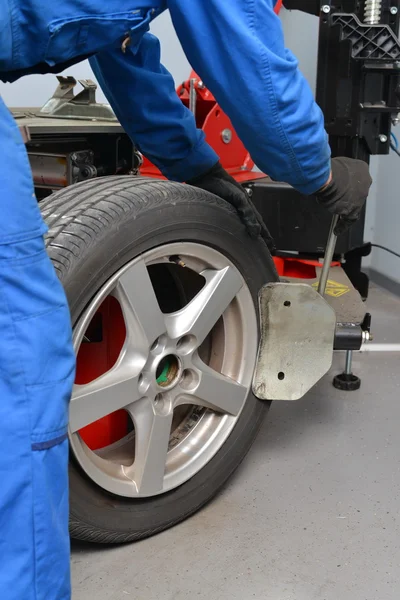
x=87, y=207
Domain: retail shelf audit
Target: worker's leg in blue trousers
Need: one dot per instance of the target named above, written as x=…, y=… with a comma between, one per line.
x=36, y=375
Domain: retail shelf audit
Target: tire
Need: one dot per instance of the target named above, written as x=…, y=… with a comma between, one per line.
x=97, y=227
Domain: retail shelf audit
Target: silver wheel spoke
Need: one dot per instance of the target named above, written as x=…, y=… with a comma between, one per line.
x=144, y=320
x=201, y=314
x=215, y=391
x=114, y=390
x=152, y=433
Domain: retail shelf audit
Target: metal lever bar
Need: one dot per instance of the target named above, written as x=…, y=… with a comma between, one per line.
x=329, y=252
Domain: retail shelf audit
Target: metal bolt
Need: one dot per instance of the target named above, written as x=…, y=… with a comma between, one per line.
x=395, y=121
x=326, y=9
x=138, y=156
x=201, y=85
x=249, y=191
x=393, y=10
x=226, y=136
x=349, y=360
x=383, y=138
x=366, y=337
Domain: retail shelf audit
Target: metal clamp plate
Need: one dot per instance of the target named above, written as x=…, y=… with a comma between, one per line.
x=296, y=347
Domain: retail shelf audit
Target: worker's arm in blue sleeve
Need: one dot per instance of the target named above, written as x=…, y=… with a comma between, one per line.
x=142, y=94
x=237, y=49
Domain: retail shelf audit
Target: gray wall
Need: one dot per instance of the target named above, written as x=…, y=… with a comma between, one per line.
x=301, y=33
x=385, y=228
x=301, y=37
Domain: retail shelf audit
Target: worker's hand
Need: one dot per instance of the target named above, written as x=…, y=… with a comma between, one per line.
x=219, y=182
x=346, y=191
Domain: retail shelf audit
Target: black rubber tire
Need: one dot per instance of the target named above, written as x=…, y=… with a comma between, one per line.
x=94, y=229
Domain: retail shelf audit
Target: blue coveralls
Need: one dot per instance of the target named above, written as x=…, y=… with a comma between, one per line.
x=237, y=48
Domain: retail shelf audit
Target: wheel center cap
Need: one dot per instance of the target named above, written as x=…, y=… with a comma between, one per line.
x=168, y=371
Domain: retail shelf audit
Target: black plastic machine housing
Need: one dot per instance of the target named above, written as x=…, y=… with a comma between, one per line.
x=358, y=90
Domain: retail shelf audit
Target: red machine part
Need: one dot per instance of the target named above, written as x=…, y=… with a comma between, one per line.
x=218, y=130
x=298, y=267
x=219, y=133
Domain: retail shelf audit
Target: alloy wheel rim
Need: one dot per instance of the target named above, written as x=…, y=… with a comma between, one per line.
x=160, y=372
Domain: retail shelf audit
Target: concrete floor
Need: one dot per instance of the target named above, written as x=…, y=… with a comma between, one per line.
x=312, y=514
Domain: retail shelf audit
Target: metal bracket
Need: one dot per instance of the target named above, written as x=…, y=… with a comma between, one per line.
x=65, y=105
x=24, y=131
x=297, y=335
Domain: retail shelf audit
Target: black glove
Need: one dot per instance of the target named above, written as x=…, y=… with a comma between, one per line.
x=346, y=194
x=219, y=182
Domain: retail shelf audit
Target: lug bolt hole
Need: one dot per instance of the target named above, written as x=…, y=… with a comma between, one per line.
x=158, y=346
x=186, y=344
x=159, y=399
x=143, y=384
x=287, y=303
x=281, y=376
x=189, y=380
x=161, y=404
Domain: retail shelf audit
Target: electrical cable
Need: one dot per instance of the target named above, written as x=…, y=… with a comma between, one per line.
x=386, y=249
x=395, y=140
x=393, y=147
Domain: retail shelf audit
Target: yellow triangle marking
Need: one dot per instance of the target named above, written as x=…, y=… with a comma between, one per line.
x=334, y=289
